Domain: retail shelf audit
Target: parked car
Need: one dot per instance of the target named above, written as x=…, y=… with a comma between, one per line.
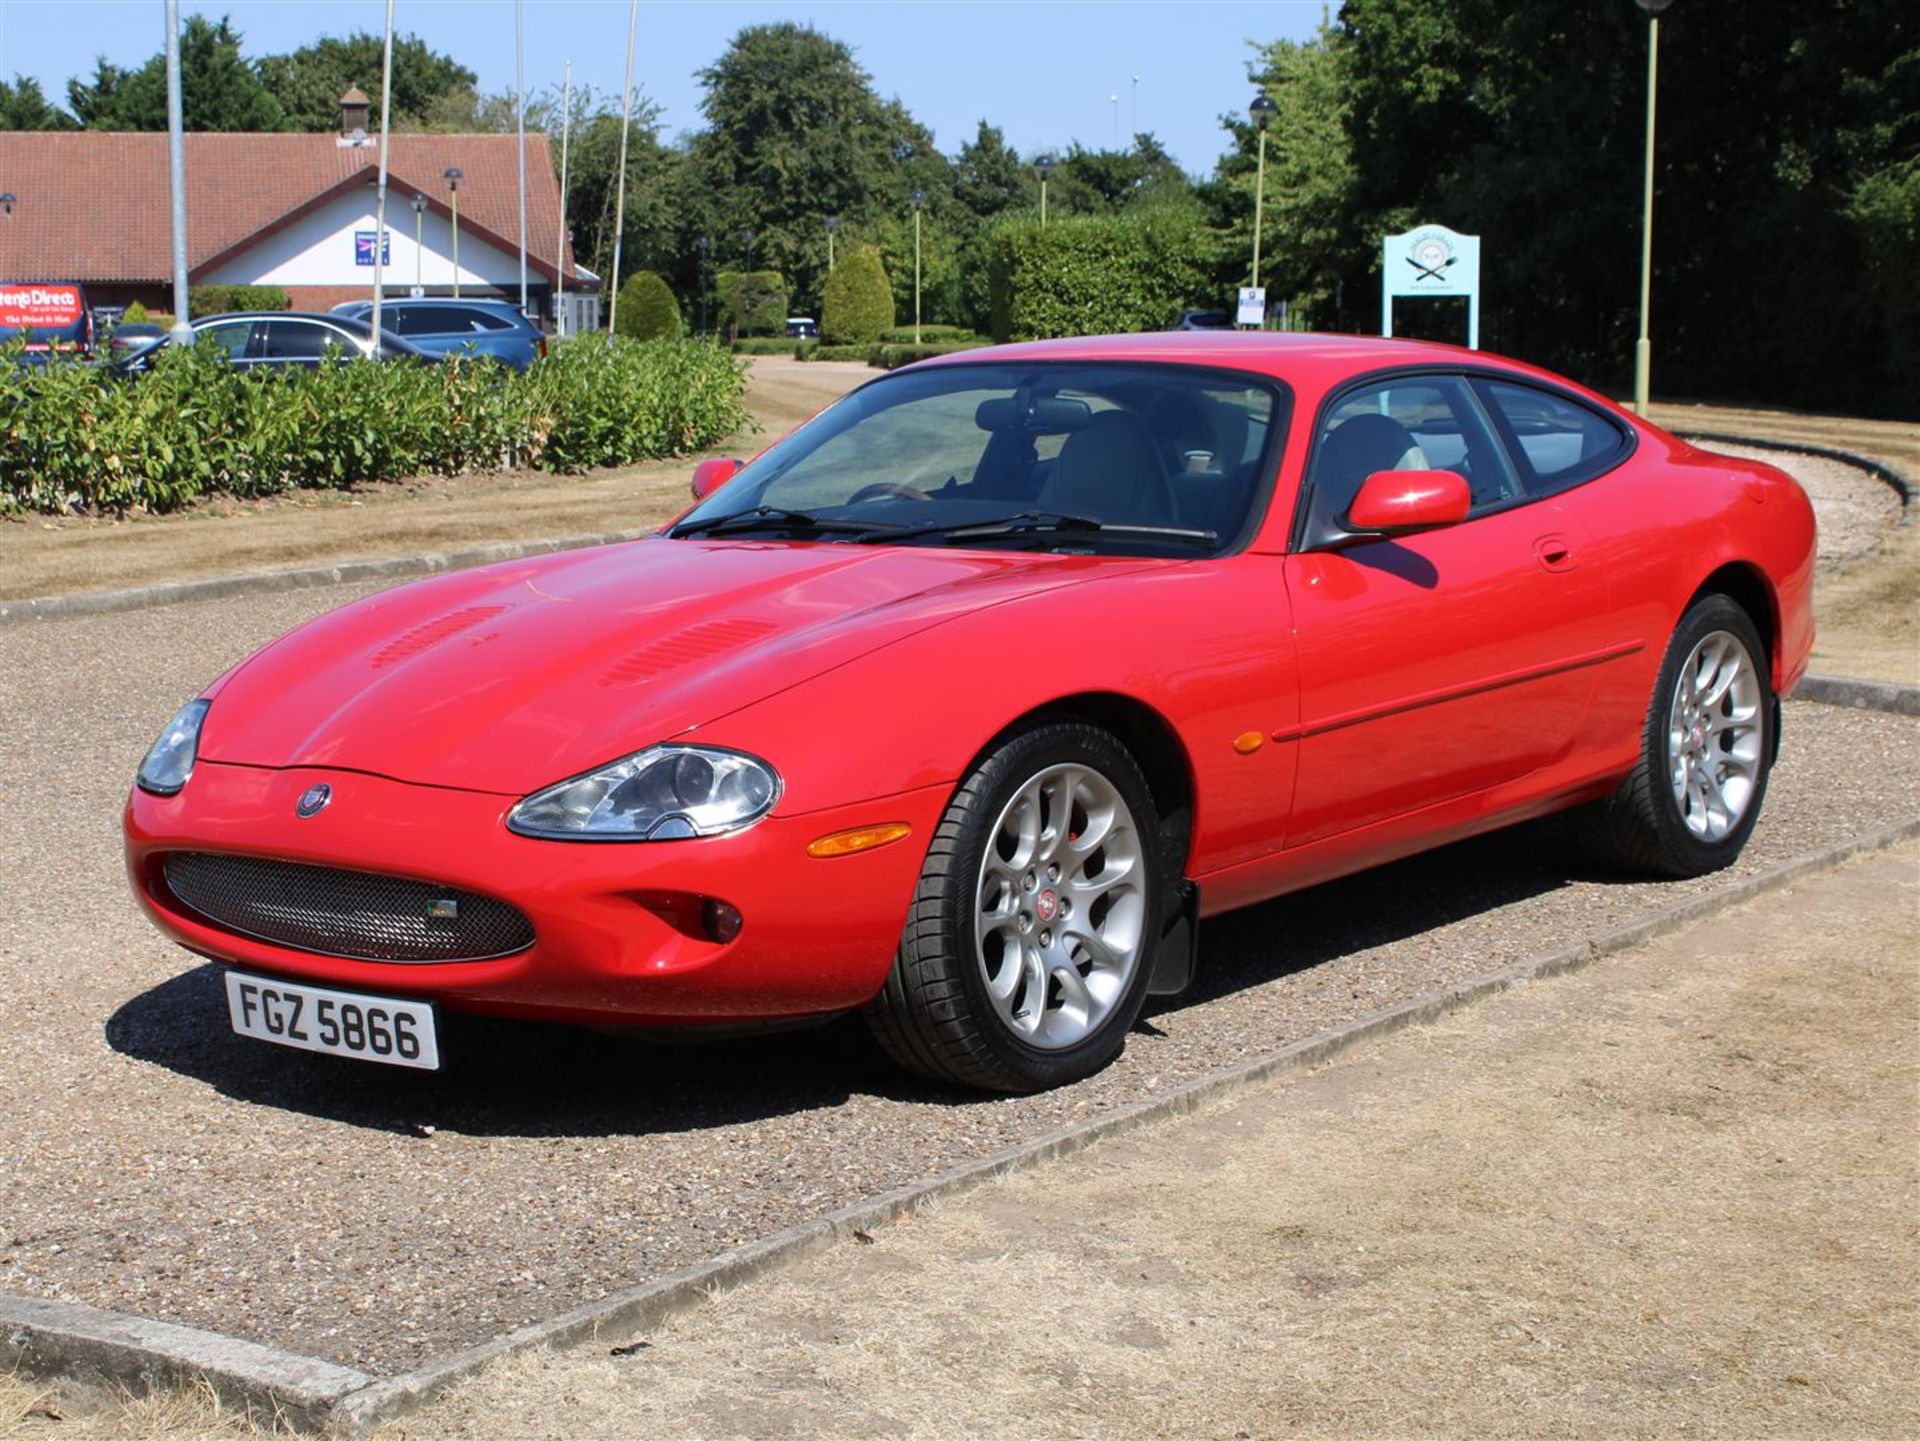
x=492, y=328
x=51, y=320
x=124, y=338
x=282, y=340
x=1204, y=320
x=964, y=703
x=799, y=327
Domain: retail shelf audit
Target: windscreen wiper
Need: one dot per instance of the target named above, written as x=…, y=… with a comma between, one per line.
x=1049, y=522
x=776, y=517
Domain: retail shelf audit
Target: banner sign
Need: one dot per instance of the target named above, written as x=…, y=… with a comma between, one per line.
x=1253, y=305
x=39, y=306
x=1431, y=260
x=363, y=247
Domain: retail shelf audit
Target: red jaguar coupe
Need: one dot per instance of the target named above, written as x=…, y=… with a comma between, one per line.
x=964, y=703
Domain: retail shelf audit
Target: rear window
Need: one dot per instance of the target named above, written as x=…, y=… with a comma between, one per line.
x=301, y=340
x=447, y=320
x=1557, y=440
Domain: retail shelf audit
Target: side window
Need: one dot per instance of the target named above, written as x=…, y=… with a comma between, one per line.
x=1558, y=441
x=491, y=320
x=231, y=337
x=1424, y=422
x=301, y=340
x=436, y=320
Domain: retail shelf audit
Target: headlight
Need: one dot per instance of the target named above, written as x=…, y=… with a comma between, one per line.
x=170, y=762
x=666, y=793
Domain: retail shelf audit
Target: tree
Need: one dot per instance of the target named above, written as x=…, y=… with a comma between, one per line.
x=308, y=82
x=24, y=106
x=218, y=88
x=857, y=303
x=648, y=310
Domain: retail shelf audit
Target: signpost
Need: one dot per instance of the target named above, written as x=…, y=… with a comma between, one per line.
x=1428, y=261
x=1253, y=306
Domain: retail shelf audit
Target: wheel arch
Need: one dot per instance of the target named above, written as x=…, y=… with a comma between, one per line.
x=1746, y=585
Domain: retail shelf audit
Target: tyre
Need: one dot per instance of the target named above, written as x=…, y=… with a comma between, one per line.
x=1030, y=939
x=1705, y=752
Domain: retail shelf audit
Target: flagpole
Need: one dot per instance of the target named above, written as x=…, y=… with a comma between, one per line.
x=380, y=204
x=620, y=189
x=560, y=244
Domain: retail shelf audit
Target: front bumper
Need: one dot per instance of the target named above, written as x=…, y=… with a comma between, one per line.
x=617, y=925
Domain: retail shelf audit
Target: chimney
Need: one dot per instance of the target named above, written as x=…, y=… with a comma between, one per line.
x=353, y=117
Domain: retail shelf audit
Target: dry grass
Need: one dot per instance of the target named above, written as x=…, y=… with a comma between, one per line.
x=1671, y=1196
x=42, y=555
x=33, y=1412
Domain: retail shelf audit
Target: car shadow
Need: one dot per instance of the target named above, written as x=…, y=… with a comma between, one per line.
x=515, y=1078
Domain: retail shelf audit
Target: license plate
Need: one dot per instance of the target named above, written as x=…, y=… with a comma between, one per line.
x=338, y=1023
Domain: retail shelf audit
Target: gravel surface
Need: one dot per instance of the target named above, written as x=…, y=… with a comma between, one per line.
x=156, y=1164
x=1856, y=509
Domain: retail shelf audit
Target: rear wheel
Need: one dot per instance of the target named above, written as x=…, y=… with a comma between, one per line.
x=1027, y=950
x=1705, y=753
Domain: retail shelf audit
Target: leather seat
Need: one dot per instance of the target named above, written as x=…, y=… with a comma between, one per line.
x=1110, y=471
x=1354, y=450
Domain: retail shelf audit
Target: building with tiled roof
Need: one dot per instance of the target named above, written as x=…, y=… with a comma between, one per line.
x=296, y=211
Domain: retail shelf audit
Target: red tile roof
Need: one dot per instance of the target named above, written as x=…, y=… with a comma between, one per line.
x=92, y=205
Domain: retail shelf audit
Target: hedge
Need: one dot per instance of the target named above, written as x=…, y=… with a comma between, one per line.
x=903, y=334
x=648, y=310
x=1096, y=274
x=856, y=304
x=76, y=438
x=750, y=304
x=765, y=345
x=219, y=299
x=815, y=350
x=892, y=357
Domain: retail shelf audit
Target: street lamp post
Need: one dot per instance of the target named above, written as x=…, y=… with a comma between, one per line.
x=1133, y=114
x=453, y=176
x=703, y=245
x=1043, y=167
x=919, y=204
x=746, y=286
x=833, y=224
x=1114, y=100
x=1643, y=347
x=419, y=248
x=1262, y=110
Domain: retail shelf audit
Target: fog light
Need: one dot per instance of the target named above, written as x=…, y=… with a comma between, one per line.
x=721, y=920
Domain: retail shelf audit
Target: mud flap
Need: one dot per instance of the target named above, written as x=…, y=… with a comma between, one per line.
x=1177, y=957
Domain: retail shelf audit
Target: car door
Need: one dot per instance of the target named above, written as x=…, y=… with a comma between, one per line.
x=1442, y=663
x=301, y=343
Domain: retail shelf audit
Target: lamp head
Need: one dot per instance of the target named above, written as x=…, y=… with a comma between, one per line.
x=453, y=175
x=1262, y=110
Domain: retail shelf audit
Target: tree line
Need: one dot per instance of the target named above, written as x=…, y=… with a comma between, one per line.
x=1787, y=232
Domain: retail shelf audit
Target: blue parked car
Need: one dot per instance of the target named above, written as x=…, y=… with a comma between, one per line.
x=443, y=327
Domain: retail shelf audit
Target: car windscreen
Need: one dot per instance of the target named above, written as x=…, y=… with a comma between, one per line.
x=44, y=313
x=1141, y=458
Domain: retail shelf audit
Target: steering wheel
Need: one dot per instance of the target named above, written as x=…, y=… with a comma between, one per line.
x=886, y=490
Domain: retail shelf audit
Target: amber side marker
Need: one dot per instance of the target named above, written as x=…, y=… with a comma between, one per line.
x=861, y=838
x=1248, y=742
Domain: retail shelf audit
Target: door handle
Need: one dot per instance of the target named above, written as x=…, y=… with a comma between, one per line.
x=1554, y=552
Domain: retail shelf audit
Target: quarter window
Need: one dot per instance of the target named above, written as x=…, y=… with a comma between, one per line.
x=1558, y=442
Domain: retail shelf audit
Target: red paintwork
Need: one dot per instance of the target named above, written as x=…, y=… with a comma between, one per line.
x=1393, y=501
x=1412, y=692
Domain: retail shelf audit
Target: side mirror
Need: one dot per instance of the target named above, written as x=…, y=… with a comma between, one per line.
x=1399, y=502
x=710, y=475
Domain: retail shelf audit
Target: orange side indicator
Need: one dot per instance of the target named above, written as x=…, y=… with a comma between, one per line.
x=1248, y=742
x=861, y=838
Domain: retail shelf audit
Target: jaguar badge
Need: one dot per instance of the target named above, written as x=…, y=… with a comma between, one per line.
x=313, y=800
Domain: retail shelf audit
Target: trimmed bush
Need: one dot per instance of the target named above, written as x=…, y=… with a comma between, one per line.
x=136, y=314
x=76, y=438
x=892, y=357
x=766, y=345
x=751, y=305
x=929, y=334
x=648, y=310
x=814, y=350
x=1096, y=274
x=857, y=304
x=218, y=299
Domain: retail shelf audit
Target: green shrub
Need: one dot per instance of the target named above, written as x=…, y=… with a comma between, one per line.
x=647, y=309
x=892, y=357
x=1096, y=274
x=857, y=304
x=814, y=350
x=136, y=314
x=903, y=334
x=77, y=438
x=751, y=305
x=218, y=299
x=766, y=345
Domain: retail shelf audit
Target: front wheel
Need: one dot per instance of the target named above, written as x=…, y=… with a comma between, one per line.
x=1026, y=953
x=1705, y=753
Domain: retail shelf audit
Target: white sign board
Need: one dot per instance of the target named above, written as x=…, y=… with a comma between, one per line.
x=1253, y=306
x=1431, y=260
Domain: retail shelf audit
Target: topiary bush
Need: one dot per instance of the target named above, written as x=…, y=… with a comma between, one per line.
x=647, y=309
x=135, y=314
x=751, y=305
x=1096, y=274
x=219, y=299
x=857, y=303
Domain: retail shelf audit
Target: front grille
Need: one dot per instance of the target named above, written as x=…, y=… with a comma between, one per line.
x=345, y=913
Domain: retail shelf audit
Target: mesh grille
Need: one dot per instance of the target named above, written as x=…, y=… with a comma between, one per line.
x=345, y=913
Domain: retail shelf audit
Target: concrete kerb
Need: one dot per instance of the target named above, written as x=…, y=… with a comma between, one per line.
x=55, y=1338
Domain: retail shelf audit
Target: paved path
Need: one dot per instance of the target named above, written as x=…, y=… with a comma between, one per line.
x=1671, y=1195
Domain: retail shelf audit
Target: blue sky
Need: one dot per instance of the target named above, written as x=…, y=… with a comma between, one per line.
x=1042, y=70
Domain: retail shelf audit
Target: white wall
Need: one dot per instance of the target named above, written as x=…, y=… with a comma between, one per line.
x=318, y=249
